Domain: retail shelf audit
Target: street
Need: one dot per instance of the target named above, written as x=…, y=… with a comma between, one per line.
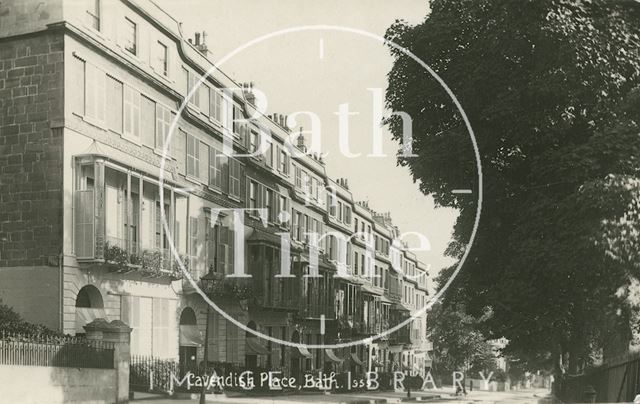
x=433, y=396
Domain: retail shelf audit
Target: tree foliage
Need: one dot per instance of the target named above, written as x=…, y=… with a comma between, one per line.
x=458, y=345
x=548, y=86
x=12, y=323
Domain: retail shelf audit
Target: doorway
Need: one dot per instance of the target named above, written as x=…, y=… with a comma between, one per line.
x=188, y=342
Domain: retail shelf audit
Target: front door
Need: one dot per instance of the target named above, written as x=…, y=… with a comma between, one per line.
x=188, y=360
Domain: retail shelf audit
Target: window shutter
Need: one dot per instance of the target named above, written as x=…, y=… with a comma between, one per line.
x=84, y=223
x=243, y=186
x=114, y=108
x=204, y=99
x=180, y=151
x=259, y=196
x=148, y=122
x=204, y=162
x=230, y=249
x=225, y=174
x=215, y=168
x=159, y=141
x=213, y=112
x=222, y=249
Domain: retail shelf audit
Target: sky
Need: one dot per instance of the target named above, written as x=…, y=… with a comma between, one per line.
x=317, y=71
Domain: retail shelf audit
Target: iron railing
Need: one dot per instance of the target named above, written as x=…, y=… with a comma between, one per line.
x=147, y=374
x=26, y=350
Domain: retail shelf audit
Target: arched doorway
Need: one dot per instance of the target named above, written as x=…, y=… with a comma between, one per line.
x=190, y=340
x=89, y=297
x=89, y=306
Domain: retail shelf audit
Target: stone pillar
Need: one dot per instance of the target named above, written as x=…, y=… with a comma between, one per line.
x=119, y=334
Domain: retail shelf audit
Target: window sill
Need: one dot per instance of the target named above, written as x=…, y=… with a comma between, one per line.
x=163, y=77
x=193, y=179
x=96, y=32
x=116, y=133
x=132, y=139
x=234, y=198
x=93, y=122
x=160, y=153
x=214, y=189
x=216, y=123
x=192, y=108
x=132, y=57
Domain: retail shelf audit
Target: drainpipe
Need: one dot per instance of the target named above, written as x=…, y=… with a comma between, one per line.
x=61, y=285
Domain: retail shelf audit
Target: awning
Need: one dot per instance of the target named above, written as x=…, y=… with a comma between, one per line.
x=356, y=360
x=399, y=307
x=385, y=300
x=354, y=280
x=332, y=356
x=301, y=352
x=395, y=348
x=371, y=290
x=383, y=344
x=190, y=335
x=254, y=347
x=85, y=315
x=261, y=236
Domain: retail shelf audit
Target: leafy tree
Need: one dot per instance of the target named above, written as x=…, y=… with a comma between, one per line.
x=457, y=343
x=12, y=323
x=548, y=88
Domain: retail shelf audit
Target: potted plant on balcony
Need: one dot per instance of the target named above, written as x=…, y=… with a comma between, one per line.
x=135, y=261
x=155, y=265
x=116, y=258
x=242, y=288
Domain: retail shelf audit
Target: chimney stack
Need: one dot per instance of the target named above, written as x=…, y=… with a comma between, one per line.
x=201, y=46
x=247, y=90
x=301, y=144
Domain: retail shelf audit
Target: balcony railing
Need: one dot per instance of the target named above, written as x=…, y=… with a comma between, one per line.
x=123, y=255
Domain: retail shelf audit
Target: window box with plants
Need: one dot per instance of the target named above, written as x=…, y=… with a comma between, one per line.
x=151, y=263
x=227, y=286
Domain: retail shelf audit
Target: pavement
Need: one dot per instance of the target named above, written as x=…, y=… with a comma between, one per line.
x=531, y=396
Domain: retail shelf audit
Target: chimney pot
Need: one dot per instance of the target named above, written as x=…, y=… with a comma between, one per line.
x=197, y=38
x=300, y=139
x=204, y=37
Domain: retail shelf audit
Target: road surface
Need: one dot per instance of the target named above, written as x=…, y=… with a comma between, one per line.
x=532, y=396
